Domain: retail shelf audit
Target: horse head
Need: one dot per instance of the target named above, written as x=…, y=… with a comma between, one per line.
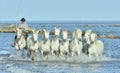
x=93, y=37
x=46, y=34
x=35, y=35
x=73, y=35
x=65, y=34
x=88, y=35
x=57, y=31
x=79, y=34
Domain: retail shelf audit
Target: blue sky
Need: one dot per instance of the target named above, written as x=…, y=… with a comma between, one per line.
x=60, y=10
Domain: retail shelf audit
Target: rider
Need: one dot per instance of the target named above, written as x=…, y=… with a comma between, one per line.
x=24, y=27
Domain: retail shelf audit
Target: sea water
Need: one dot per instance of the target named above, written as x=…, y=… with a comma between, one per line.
x=108, y=63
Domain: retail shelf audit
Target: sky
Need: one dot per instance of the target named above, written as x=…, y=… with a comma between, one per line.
x=60, y=10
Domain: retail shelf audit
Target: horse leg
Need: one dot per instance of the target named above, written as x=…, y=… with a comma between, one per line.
x=57, y=53
x=17, y=48
x=22, y=53
x=33, y=55
x=66, y=53
x=28, y=53
x=90, y=55
x=47, y=56
x=52, y=52
x=39, y=50
x=96, y=55
x=61, y=53
x=42, y=53
x=78, y=53
x=72, y=53
x=17, y=52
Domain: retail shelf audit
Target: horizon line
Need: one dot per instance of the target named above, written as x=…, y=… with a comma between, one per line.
x=66, y=21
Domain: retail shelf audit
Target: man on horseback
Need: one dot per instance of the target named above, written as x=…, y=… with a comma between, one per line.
x=24, y=28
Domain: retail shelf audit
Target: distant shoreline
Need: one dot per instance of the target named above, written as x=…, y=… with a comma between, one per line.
x=64, y=22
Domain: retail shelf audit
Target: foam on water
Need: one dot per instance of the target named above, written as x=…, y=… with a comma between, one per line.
x=83, y=58
x=17, y=70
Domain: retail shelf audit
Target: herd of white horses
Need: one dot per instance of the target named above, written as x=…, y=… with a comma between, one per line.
x=88, y=44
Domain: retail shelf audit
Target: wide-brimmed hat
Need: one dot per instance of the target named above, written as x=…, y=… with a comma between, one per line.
x=23, y=19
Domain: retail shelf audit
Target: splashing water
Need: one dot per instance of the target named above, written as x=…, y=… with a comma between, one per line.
x=83, y=58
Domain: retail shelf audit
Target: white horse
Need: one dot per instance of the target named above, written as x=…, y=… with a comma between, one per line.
x=79, y=34
x=55, y=43
x=79, y=38
x=32, y=44
x=96, y=48
x=45, y=43
x=87, y=36
x=75, y=45
x=64, y=45
x=87, y=41
x=20, y=42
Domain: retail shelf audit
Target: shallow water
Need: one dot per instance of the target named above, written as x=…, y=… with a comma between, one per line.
x=108, y=63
